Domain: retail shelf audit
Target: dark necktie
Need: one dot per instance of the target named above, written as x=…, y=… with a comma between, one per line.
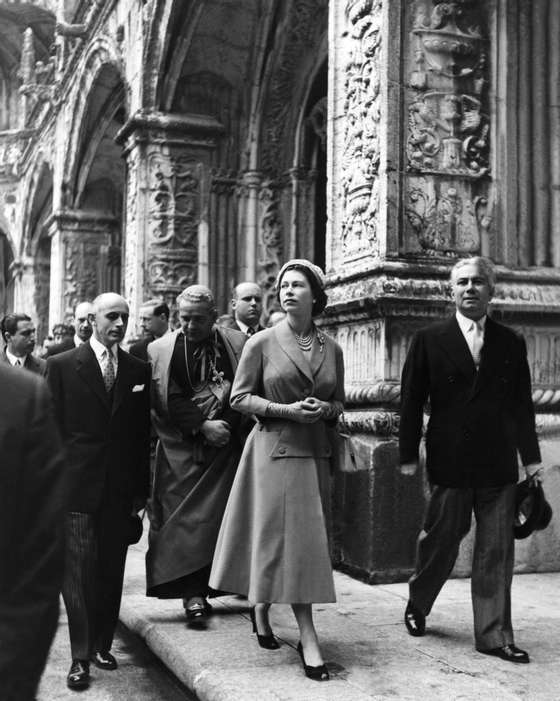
x=108, y=370
x=250, y=331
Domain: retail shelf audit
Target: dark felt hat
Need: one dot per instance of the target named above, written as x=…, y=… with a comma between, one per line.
x=532, y=511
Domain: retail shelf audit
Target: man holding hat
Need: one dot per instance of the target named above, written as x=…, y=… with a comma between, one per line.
x=475, y=374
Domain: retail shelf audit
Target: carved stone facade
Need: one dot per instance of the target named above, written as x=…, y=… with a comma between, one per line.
x=172, y=142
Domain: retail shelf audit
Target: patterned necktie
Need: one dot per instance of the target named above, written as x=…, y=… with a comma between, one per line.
x=108, y=370
x=477, y=341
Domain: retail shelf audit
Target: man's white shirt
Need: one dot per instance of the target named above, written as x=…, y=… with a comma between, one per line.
x=99, y=350
x=468, y=329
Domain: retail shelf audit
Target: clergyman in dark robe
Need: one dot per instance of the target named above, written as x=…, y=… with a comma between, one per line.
x=199, y=445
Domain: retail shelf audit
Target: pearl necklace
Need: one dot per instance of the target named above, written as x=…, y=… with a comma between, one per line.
x=305, y=342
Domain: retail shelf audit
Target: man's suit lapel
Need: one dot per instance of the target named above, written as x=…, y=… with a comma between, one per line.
x=288, y=343
x=452, y=340
x=88, y=368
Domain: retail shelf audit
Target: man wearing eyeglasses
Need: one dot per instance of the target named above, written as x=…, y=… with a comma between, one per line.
x=101, y=397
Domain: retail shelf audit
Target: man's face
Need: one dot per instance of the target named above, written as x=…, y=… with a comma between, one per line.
x=152, y=325
x=110, y=322
x=197, y=320
x=247, y=305
x=471, y=291
x=22, y=342
x=82, y=322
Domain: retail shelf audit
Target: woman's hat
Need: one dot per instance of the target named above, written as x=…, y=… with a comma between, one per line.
x=532, y=511
x=315, y=270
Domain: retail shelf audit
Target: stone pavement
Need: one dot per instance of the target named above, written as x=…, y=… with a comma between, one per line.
x=364, y=641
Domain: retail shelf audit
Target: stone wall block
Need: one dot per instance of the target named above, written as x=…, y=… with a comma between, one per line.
x=377, y=514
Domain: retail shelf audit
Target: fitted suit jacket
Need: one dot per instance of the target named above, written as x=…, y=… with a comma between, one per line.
x=274, y=369
x=33, y=364
x=479, y=421
x=107, y=443
x=32, y=502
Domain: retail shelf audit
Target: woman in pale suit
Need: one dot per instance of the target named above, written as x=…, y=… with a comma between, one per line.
x=272, y=546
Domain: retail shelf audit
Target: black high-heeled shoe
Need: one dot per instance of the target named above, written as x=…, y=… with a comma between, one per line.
x=320, y=673
x=268, y=642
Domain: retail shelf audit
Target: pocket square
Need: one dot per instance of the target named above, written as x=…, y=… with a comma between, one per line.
x=138, y=388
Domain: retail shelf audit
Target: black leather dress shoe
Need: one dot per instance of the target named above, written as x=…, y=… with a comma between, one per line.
x=414, y=620
x=78, y=676
x=104, y=660
x=196, y=613
x=509, y=653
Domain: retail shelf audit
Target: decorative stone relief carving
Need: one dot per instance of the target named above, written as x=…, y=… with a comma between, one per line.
x=443, y=220
x=42, y=269
x=384, y=424
x=318, y=120
x=132, y=261
x=543, y=353
x=448, y=135
x=174, y=209
x=270, y=243
x=446, y=202
x=362, y=347
x=360, y=157
x=82, y=268
x=12, y=146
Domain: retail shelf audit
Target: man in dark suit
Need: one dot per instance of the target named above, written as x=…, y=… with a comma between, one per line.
x=82, y=323
x=63, y=339
x=154, y=322
x=32, y=502
x=246, y=305
x=475, y=373
x=18, y=333
x=101, y=397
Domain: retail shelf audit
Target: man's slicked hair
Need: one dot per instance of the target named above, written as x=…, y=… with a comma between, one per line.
x=158, y=306
x=485, y=265
x=10, y=322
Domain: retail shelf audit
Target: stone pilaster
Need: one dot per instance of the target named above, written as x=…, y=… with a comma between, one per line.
x=84, y=263
x=169, y=160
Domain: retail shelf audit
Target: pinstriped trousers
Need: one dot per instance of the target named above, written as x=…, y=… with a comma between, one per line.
x=93, y=576
x=448, y=520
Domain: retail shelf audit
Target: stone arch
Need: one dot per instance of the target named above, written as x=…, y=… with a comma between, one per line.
x=36, y=245
x=102, y=56
x=165, y=24
x=310, y=163
x=41, y=171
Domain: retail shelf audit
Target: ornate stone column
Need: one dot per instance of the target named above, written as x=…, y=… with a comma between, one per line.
x=169, y=161
x=411, y=189
x=84, y=262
